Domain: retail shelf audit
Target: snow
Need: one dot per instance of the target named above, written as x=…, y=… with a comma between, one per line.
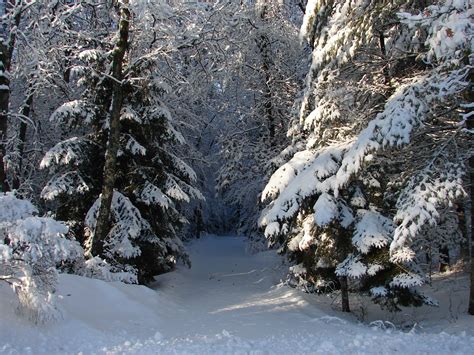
x=70, y=183
x=373, y=230
x=12, y=209
x=66, y=152
x=229, y=302
x=152, y=195
x=325, y=210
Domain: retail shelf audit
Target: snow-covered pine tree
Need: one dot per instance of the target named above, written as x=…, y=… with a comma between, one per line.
x=371, y=101
x=150, y=180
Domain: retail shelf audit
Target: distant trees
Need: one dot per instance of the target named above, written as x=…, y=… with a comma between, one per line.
x=382, y=143
x=257, y=93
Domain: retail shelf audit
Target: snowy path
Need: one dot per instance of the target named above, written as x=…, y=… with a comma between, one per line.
x=227, y=303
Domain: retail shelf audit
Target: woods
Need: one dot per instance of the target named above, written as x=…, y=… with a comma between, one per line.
x=340, y=135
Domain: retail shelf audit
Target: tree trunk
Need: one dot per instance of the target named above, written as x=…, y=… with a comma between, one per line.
x=444, y=259
x=470, y=126
x=103, y=218
x=4, y=103
x=344, y=294
x=7, y=45
x=263, y=44
x=462, y=211
x=25, y=112
x=471, y=178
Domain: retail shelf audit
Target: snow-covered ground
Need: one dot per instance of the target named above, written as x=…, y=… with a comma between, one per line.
x=228, y=302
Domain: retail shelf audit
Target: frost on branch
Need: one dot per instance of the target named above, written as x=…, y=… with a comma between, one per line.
x=30, y=249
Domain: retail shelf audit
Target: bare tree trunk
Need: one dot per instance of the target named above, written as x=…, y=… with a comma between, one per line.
x=25, y=113
x=462, y=211
x=344, y=294
x=7, y=45
x=103, y=219
x=471, y=174
x=263, y=44
x=4, y=103
x=444, y=259
x=470, y=125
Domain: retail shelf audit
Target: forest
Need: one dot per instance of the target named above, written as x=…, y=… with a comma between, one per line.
x=324, y=145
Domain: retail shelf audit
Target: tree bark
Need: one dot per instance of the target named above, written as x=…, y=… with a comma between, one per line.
x=7, y=45
x=103, y=218
x=4, y=103
x=444, y=259
x=470, y=126
x=25, y=112
x=344, y=294
x=263, y=44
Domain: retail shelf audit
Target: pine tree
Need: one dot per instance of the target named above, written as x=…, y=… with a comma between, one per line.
x=366, y=108
x=142, y=237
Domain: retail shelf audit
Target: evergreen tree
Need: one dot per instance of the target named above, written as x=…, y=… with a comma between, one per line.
x=149, y=181
x=349, y=204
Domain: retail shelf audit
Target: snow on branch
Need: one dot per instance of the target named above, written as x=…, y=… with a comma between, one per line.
x=127, y=226
x=70, y=151
x=450, y=29
x=305, y=174
x=74, y=112
x=372, y=230
x=419, y=202
x=152, y=195
x=405, y=110
x=69, y=183
x=30, y=249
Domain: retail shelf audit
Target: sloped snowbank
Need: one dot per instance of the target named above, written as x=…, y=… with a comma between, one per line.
x=227, y=303
x=95, y=314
